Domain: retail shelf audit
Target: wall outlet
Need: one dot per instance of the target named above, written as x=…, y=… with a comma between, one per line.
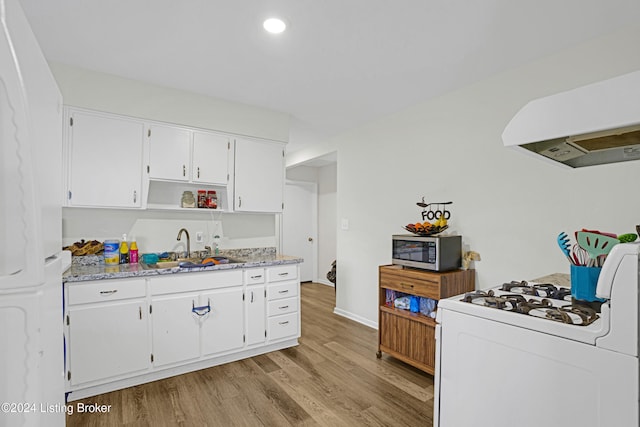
x=199, y=237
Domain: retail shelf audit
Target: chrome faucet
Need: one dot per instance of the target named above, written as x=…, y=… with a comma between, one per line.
x=188, y=240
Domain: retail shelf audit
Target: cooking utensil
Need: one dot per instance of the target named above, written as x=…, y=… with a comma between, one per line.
x=600, y=232
x=563, y=242
x=595, y=244
x=579, y=255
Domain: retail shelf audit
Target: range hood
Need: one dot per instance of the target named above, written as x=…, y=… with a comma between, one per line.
x=591, y=125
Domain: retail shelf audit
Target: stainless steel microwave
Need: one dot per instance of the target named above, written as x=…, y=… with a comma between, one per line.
x=438, y=253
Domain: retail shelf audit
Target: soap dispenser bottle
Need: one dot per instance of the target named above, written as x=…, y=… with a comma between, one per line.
x=124, y=250
x=133, y=251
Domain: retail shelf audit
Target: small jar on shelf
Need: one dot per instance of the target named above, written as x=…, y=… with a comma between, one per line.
x=212, y=199
x=188, y=201
x=202, y=198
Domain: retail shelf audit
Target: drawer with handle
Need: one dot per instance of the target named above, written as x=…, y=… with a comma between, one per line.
x=254, y=276
x=282, y=306
x=106, y=290
x=282, y=326
x=282, y=272
x=423, y=288
x=282, y=290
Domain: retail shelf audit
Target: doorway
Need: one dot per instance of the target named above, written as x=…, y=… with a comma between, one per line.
x=300, y=226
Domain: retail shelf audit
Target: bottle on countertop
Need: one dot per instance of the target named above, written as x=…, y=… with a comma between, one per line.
x=133, y=251
x=124, y=250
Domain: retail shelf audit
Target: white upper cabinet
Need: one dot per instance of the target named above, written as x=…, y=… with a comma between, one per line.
x=259, y=176
x=105, y=160
x=169, y=153
x=182, y=154
x=210, y=158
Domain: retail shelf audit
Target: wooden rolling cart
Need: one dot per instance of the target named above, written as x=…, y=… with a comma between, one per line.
x=408, y=336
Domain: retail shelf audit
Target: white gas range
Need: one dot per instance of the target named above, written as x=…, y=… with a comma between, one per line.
x=501, y=350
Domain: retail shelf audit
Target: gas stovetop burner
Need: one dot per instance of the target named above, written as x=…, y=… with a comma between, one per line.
x=545, y=290
x=543, y=308
x=489, y=299
x=572, y=314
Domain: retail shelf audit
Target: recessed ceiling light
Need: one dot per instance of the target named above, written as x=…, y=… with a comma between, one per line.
x=274, y=25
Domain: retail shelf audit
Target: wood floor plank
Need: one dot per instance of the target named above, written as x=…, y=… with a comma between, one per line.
x=332, y=378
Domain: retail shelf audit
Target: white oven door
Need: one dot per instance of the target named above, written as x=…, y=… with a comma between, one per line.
x=493, y=374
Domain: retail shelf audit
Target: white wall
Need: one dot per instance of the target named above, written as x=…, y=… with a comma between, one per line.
x=507, y=206
x=113, y=94
x=327, y=219
x=157, y=231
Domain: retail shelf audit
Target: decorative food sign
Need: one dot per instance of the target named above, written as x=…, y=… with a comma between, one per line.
x=435, y=218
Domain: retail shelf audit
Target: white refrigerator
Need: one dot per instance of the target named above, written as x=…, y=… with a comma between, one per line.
x=31, y=337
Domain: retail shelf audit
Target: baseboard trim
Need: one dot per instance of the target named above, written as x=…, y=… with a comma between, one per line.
x=325, y=282
x=355, y=318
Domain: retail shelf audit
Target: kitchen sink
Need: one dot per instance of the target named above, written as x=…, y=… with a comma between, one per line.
x=187, y=263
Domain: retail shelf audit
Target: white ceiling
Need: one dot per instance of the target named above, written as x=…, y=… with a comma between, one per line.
x=340, y=64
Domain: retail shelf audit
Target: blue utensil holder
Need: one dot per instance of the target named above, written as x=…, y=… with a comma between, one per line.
x=584, y=281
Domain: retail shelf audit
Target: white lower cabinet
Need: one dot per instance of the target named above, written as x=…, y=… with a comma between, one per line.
x=106, y=330
x=222, y=325
x=122, y=332
x=256, y=331
x=196, y=315
x=283, y=301
x=175, y=331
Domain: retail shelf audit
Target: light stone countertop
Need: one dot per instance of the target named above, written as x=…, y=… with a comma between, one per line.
x=558, y=279
x=80, y=272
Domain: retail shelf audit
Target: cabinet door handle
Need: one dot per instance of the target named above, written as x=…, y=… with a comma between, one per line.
x=283, y=307
x=283, y=292
x=184, y=170
x=283, y=274
x=198, y=171
x=251, y=296
x=105, y=293
x=257, y=277
x=135, y=196
x=283, y=323
x=202, y=310
x=140, y=312
x=239, y=201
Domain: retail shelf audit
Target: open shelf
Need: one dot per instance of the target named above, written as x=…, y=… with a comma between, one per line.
x=166, y=195
x=409, y=315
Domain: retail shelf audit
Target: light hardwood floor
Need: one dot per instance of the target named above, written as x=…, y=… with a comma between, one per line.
x=331, y=379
